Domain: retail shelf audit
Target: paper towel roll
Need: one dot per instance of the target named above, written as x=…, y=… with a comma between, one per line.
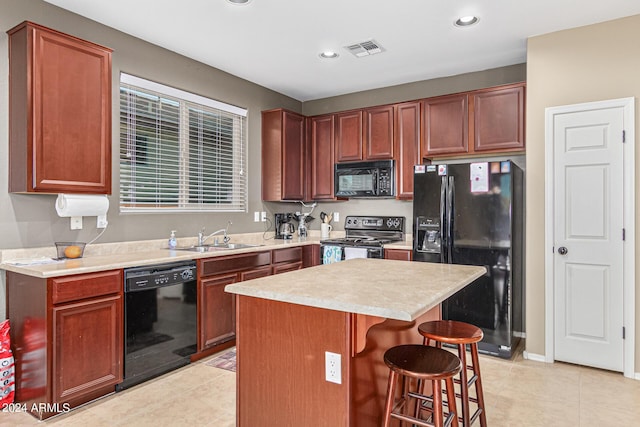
x=70, y=205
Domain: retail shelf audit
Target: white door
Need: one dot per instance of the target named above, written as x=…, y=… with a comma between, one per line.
x=588, y=217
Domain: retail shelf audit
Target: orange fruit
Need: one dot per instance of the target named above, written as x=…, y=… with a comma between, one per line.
x=72, y=251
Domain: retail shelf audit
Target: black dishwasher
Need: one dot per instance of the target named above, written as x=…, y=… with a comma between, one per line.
x=160, y=320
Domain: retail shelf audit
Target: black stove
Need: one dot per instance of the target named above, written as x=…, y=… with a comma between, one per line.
x=367, y=232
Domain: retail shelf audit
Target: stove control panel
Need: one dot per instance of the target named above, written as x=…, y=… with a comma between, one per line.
x=377, y=223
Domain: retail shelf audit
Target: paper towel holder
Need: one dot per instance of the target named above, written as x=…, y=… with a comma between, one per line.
x=75, y=206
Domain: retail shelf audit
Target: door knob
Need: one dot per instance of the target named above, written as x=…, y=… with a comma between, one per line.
x=562, y=250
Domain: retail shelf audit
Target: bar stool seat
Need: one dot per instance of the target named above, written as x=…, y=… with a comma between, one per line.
x=421, y=363
x=461, y=334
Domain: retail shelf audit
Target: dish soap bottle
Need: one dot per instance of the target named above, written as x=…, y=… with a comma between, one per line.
x=172, y=240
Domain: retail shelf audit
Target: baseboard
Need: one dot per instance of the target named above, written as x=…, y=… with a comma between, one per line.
x=534, y=357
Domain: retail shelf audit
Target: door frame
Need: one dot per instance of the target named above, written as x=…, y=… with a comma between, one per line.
x=628, y=105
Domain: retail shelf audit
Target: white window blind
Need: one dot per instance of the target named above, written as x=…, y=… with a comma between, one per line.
x=179, y=151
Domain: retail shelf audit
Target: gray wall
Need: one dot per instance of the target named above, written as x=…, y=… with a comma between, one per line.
x=31, y=221
x=417, y=90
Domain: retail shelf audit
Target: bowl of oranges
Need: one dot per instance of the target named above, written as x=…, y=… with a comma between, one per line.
x=70, y=250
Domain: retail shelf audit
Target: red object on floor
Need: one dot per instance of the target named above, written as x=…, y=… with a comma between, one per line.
x=7, y=369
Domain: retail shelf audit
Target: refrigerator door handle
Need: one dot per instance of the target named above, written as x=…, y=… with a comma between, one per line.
x=450, y=208
x=443, y=236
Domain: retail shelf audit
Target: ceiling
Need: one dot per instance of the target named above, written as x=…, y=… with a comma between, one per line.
x=276, y=43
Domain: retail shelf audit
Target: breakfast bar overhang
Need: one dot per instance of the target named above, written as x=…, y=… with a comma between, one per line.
x=358, y=309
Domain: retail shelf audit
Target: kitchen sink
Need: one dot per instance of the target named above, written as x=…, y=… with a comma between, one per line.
x=213, y=248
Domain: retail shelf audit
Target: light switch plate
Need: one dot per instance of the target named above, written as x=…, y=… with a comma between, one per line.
x=256, y=216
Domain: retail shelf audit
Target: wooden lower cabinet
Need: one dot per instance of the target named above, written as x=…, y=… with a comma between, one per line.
x=310, y=255
x=283, y=268
x=87, y=348
x=398, y=254
x=216, y=308
x=68, y=338
x=255, y=273
x=218, y=324
x=281, y=364
x=289, y=259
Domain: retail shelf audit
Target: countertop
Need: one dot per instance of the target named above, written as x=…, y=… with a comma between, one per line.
x=399, y=290
x=37, y=262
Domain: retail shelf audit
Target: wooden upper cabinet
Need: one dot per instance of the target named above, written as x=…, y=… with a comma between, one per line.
x=445, y=125
x=378, y=135
x=60, y=113
x=322, y=157
x=498, y=118
x=407, y=146
x=283, y=151
x=478, y=122
x=348, y=136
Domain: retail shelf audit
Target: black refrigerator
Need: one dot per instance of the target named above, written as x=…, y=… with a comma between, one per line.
x=472, y=214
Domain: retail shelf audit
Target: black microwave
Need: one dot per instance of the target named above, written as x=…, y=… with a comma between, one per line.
x=365, y=179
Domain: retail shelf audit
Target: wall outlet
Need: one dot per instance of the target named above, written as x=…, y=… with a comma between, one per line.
x=333, y=367
x=101, y=221
x=263, y=217
x=336, y=217
x=76, y=223
x=256, y=216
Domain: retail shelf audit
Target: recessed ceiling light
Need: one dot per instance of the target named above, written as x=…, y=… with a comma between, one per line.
x=328, y=54
x=466, y=21
x=240, y=2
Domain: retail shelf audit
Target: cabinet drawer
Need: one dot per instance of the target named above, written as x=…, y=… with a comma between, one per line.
x=227, y=264
x=283, y=268
x=73, y=288
x=255, y=273
x=398, y=254
x=287, y=255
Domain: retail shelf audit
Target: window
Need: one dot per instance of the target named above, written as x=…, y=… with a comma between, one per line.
x=179, y=152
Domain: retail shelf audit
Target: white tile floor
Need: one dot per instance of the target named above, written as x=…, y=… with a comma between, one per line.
x=518, y=392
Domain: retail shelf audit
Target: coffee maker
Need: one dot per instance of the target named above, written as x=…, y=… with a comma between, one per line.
x=284, y=226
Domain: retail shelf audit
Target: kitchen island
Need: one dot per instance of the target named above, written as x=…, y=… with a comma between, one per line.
x=356, y=309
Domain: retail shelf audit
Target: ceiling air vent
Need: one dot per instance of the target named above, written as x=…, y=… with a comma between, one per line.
x=369, y=47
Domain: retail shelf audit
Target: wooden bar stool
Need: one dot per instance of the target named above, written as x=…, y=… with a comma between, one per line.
x=420, y=363
x=461, y=334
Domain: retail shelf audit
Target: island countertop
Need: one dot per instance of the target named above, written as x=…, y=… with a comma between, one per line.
x=392, y=289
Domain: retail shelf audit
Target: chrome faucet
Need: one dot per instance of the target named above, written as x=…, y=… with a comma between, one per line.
x=202, y=238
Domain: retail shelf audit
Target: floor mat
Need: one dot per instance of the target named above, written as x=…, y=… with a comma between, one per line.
x=226, y=360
